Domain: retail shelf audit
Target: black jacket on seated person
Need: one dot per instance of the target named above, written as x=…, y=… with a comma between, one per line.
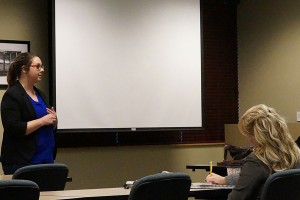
x=249, y=186
x=251, y=180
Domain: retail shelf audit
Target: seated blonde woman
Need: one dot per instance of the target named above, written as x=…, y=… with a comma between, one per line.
x=274, y=150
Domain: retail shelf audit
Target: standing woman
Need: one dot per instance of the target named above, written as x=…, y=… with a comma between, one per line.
x=27, y=120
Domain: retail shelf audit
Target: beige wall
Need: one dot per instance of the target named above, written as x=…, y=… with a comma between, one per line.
x=113, y=166
x=27, y=20
x=269, y=61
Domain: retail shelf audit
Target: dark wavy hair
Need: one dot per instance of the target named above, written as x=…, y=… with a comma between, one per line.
x=14, y=71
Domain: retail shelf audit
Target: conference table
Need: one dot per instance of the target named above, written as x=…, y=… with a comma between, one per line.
x=5, y=177
x=120, y=193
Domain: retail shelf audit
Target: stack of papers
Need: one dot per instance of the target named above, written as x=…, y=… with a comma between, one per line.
x=210, y=186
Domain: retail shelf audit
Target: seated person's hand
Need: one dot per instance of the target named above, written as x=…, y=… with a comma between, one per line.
x=215, y=179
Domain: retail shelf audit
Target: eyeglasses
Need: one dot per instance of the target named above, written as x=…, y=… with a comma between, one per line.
x=38, y=67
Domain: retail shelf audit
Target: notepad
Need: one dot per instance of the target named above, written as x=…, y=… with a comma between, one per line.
x=210, y=186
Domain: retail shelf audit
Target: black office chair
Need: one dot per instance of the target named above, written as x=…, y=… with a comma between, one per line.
x=49, y=177
x=163, y=186
x=19, y=189
x=282, y=185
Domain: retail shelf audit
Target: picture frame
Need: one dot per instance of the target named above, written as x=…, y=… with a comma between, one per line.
x=9, y=49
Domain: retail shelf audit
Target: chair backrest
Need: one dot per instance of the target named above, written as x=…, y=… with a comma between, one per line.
x=19, y=189
x=49, y=177
x=162, y=186
x=282, y=185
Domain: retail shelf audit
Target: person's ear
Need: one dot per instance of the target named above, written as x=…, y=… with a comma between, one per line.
x=23, y=69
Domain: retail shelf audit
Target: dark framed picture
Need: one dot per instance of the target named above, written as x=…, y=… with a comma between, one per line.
x=9, y=50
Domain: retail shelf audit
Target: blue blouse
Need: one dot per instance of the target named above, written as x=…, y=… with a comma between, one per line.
x=45, y=134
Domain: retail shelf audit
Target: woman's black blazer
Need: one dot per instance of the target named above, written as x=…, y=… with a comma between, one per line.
x=16, y=111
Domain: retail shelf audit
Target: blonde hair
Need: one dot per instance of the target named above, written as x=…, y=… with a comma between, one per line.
x=273, y=143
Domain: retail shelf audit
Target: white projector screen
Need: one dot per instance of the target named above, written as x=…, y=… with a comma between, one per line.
x=128, y=64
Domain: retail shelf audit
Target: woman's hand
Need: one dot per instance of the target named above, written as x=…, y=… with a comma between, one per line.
x=53, y=115
x=215, y=179
x=49, y=119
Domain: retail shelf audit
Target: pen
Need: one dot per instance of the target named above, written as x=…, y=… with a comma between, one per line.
x=210, y=168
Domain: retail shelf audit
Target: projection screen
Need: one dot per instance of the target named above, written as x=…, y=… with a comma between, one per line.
x=129, y=64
